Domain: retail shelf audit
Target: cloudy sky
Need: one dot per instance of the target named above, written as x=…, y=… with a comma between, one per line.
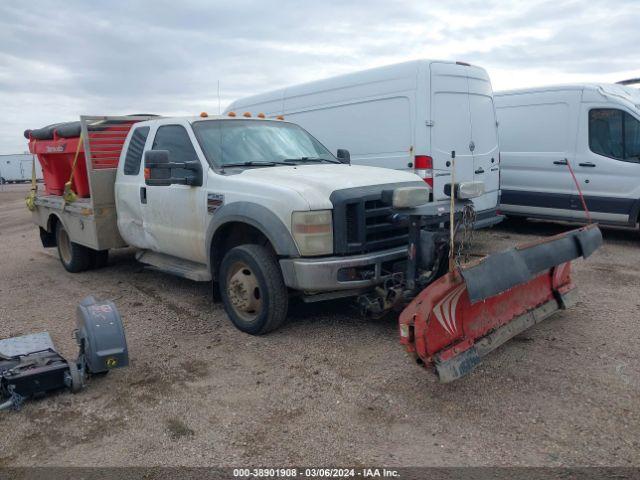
x=59, y=59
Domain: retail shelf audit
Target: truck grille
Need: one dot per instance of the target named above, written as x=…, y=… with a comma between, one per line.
x=362, y=222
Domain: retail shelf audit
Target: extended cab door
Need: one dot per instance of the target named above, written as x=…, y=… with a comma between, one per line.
x=174, y=215
x=450, y=126
x=129, y=188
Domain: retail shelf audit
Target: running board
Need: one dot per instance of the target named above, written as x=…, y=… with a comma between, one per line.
x=174, y=265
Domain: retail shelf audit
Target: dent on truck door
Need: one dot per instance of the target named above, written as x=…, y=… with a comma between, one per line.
x=130, y=181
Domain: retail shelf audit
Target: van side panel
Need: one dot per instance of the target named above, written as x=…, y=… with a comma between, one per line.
x=372, y=114
x=537, y=133
x=377, y=132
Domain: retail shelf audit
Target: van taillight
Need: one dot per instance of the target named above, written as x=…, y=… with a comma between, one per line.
x=424, y=168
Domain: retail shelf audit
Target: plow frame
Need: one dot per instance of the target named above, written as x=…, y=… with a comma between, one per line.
x=470, y=311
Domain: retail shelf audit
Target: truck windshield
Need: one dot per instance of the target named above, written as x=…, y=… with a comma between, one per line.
x=257, y=143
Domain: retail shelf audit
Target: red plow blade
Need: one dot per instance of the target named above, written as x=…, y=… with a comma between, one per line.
x=469, y=312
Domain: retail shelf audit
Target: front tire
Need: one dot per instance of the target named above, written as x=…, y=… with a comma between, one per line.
x=75, y=258
x=252, y=289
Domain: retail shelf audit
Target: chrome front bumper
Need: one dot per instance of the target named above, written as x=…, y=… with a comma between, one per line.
x=321, y=274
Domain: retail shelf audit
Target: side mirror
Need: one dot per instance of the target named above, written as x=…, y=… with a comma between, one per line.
x=344, y=156
x=158, y=170
x=156, y=167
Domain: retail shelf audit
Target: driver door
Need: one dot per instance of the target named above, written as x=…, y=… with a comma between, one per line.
x=174, y=215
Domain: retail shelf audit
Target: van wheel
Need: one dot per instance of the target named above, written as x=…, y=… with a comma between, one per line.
x=252, y=289
x=75, y=258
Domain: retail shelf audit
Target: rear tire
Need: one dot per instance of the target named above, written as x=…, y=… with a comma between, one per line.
x=252, y=289
x=75, y=258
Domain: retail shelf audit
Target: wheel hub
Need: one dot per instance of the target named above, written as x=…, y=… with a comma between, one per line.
x=243, y=291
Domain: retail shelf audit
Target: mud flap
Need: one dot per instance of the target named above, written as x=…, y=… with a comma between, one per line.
x=468, y=313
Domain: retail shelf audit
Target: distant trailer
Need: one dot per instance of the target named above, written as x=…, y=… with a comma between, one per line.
x=17, y=168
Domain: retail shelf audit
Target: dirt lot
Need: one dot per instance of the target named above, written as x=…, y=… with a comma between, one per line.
x=329, y=388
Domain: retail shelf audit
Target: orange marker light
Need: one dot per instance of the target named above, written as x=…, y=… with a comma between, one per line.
x=204, y=114
x=231, y=114
x=261, y=115
x=280, y=117
x=147, y=173
x=246, y=114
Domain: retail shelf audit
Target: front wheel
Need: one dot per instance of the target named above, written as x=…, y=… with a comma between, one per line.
x=75, y=258
x=252, y=289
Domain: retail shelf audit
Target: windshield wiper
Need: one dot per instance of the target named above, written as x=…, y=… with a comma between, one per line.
x=254, y=164
x=310, y=159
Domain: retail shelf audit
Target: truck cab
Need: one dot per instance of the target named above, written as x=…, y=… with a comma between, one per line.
x=257, y=205
x=261, y=208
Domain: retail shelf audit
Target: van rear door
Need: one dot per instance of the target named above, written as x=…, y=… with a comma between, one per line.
x=484, y=137
x=450, y=126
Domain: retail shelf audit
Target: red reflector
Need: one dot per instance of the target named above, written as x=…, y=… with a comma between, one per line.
x=429, y=181
x=423, y=162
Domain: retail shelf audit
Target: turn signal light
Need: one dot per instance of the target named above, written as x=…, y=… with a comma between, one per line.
x=261, y=115
x=231, y=114
x=204, y=114
x=424, y=168
x=246, y=114
x=280, y=117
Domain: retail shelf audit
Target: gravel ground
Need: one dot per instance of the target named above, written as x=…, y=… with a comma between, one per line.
x=329, y=388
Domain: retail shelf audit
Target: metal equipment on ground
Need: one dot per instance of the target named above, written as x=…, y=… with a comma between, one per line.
x=31, y=367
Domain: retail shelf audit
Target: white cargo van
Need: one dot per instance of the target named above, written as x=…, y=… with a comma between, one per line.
x=408, y=116
x=595, y=128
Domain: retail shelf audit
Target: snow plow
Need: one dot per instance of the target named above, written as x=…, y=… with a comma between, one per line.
x=473, y=309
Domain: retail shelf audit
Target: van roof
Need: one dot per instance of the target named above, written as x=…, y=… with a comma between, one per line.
x=339, y=81
x=608, y=89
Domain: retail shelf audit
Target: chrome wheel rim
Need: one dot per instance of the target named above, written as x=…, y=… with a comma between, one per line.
x=243, y=291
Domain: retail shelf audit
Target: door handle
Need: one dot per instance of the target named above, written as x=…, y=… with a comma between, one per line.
x=143, y=195
x=480, y=170
x=560, y=162
x=587, y=164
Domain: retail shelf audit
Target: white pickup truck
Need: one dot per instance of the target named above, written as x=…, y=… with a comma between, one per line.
x=258, y=206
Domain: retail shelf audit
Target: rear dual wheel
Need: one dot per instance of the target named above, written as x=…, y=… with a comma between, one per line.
x=75, y=257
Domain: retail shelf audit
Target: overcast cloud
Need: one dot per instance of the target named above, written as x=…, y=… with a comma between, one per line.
x=65, y=58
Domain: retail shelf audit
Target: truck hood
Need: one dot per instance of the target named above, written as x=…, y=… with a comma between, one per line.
x=316, y=183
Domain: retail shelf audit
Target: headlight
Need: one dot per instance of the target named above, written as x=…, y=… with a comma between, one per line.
x=313, y=232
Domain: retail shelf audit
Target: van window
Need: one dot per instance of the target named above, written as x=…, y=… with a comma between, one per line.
x=614, y=134
x=134, y=152
x=175, y=139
